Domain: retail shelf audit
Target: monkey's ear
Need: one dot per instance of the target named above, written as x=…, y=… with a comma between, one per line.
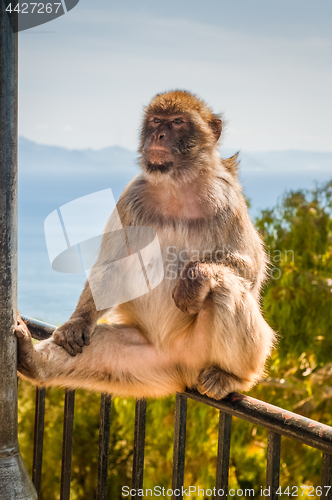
x=231, y=164
x=216, y=126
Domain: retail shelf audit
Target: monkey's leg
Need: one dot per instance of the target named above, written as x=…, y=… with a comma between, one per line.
x=199, y=278
x=192, y=287
x=216, y=383
x=118, y=360
x=241, y=339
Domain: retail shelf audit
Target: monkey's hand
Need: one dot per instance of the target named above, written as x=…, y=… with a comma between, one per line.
x=73, y=335
x=193, y=286
x=27, y=363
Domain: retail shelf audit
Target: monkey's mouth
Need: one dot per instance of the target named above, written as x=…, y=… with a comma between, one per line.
x=157, y=148
x=159, y=159
x=159, y=155
x=159, y=167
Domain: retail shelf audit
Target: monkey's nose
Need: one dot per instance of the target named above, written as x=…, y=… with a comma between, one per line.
x=161, y=136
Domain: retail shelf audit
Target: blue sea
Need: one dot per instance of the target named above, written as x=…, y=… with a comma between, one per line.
x=43, y=293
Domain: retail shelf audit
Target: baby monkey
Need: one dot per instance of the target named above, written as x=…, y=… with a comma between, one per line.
x=201, y=326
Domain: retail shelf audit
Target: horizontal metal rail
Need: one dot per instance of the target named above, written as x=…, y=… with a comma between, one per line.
x=38, y=329
x=273, y=418
x=277, y=421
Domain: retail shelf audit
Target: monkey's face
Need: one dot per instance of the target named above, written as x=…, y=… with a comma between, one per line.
x=179, y=138
x=170, y=144
x=166, y=138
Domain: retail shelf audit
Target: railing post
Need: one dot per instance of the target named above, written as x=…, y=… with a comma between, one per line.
x=139, y=444
x=224, y=445
x=104, y=445
x=15, y=482
x=67, y=444
x=38, y=441
x=179, y=451
x=273, y=464
x=326, y=476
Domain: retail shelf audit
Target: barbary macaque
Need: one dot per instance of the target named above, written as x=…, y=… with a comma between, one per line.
x=201, y=326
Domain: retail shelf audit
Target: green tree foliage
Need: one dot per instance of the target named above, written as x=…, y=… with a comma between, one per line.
x=298, y=299
x=297, y=302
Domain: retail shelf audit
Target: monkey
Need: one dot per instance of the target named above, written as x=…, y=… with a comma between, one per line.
x=201, y=327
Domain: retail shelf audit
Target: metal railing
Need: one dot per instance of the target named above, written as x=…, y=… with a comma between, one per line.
x=277, y=421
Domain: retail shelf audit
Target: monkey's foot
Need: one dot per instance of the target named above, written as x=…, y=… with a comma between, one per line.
x=192, y=288
x=26, y=355
x=73, y=335
x=216, y=383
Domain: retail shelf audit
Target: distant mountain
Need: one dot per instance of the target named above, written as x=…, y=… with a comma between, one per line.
x=266, y=175
x=38, y=158
x=59, y=175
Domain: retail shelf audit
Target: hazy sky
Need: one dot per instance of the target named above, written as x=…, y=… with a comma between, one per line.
x=266, y=65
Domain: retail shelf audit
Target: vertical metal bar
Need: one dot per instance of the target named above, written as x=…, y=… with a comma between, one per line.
x=67, y=444
x=326, y=476
x=104, y=443
x=14, y=479
x=139, y=442
x=273, y=464
x=180, y=424
x=38, y=438
x=224, y=445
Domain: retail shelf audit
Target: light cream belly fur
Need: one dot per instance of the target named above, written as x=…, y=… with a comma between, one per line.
x=160, y=321
x=156, y=315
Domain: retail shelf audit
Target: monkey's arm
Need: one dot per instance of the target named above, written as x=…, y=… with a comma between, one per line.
x=75, y=333
x=199, y=278
x=242, y=265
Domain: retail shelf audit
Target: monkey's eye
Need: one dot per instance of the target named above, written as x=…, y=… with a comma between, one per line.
x=156, y=120
x=178, y=121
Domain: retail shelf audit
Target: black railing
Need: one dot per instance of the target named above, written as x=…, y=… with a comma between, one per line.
x=277, y=421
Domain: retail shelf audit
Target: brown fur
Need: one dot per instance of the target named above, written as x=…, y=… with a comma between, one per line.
x=201, y=327
x=232, y=164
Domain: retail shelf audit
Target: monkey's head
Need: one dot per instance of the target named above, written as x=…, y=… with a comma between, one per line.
x=179, y=136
